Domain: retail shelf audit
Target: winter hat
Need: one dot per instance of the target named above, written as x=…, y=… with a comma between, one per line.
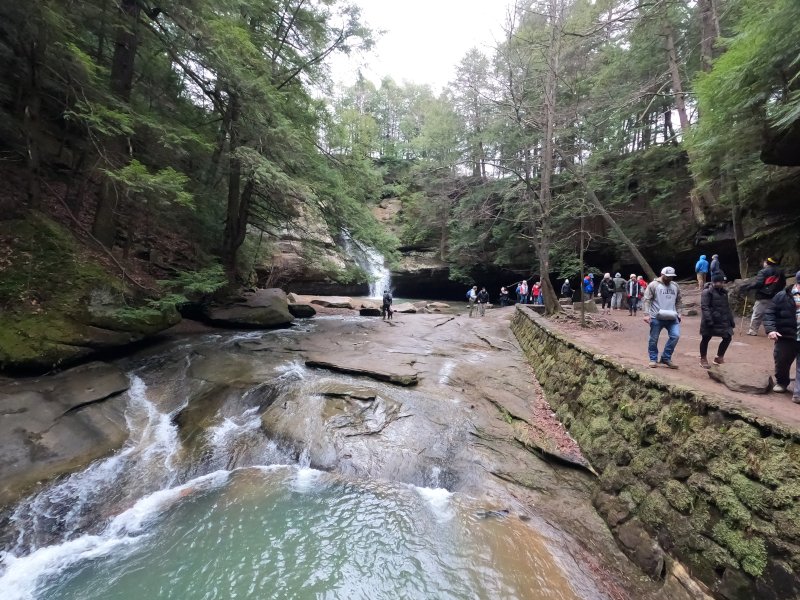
x=717, y=277
x=617, y=275
x=772, y=261
x=633, y=276
x=668, y=271
x=607, y=276
x=566, y=281
x=715, y=256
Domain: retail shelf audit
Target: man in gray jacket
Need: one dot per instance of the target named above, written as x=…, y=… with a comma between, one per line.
x=662, y=308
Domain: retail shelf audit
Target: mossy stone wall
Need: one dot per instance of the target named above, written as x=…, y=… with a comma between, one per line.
x=680, y=472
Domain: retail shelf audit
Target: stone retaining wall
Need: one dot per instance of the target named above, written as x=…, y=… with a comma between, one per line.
x=681, y=474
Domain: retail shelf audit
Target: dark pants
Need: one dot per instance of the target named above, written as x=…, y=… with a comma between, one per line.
x=633, y=303
x=606, y=301
x=785, y=353
x=723, y=345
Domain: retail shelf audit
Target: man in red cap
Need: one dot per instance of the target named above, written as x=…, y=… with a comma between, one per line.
x=769, y=281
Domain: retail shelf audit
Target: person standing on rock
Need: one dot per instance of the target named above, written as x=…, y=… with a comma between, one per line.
x=701, y=269
x=536, y=291
x=606, y=293
x=716, y=319
x=662, y=307
x=619, y=292
x=483, y=300
x=782, y=323
x=715, y=268
x=588, y=287
x=522, y=292
x=504, y=299
x=769, y=281
x=632, y=293
x=472, y=298
x=386, y=308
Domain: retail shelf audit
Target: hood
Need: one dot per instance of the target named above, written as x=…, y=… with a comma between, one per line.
x=702, y=257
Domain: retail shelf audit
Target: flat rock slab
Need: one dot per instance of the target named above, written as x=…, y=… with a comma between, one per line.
x=405, y=308
x=437, y=305
x=340, y=390
x=354, y=365
x=742, y=378
x=326, y=301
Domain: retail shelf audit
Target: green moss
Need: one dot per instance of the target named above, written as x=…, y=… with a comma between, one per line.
x=748, y=550
x=723, y=469
x=635, y=493
x=599, y=426
x=786, y=495
x=654, y=509
x=729, y=504
x=645, y=458
x=754, y=495
x=678, y=495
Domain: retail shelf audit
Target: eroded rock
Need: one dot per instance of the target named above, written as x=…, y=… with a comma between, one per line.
x=261, y=308
x=399, y=374
x=742, y=378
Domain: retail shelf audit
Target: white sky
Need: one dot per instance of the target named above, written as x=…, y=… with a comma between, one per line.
x=424, y=40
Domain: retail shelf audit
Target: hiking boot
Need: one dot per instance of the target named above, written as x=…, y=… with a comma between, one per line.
x=668, y=364
x=653, y=364
x=752, y=333
x=778, y=389
x=796, y=399
x=704, y=362
x=718, y=360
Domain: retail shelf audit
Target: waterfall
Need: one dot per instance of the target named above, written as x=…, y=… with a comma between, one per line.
x=372, y=261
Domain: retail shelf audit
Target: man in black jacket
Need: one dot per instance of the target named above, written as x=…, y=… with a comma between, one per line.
x=769, y=281
x=483, y=299
x=716, y=319
x=782, y=322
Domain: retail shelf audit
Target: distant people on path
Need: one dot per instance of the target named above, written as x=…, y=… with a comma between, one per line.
x=716, y=319
x=536, y=293
x=715, y=268
x=618, y=298
x=522, y=292
x=504, y=299
x=472, y=298
x=588, y=287
x=633, y=293
x=642, y=287
x=662, y=306
x=606, y=293
x=701, y=269
x=769, y=281
x=566, y=289
x=782, y=323
x=386, y=307
x=483, y=300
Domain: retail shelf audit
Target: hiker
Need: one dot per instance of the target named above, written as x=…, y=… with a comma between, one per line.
x=472, y=297
x=701, y=269
x=642, y=287
x=662, y=307
x=769, y=281
x=386, y=308
x=522, y=292
x=566, y=289
x=606, y=292
x=715, y=268
x=482, y=299
x=588, y=287
x=782, y=323
x=536, y=292
x=504, y=299
x=619, y=292
x=632, y=293
x=716, y=319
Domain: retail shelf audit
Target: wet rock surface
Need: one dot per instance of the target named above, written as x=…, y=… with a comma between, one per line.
x=53, y=425
x=260, y=308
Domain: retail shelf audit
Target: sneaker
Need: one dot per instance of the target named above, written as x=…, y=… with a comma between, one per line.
x=668, y=364
x=704, y=362
x=778, y=389
x=752, y=333
x=718, y=360
x=796, y=399
x=653, y=364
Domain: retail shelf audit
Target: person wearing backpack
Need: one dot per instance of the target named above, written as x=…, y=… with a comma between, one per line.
x=782, y=323
x=522, y=292
x=386, y=308
x=769, y=281
x=606, y=292
x=472, y=297
x=701, y=269
x=619, y=292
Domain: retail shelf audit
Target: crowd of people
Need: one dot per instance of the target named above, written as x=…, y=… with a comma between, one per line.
x=776, y=307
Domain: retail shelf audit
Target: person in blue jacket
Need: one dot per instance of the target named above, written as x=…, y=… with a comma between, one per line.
x=588, y=287
x=701, y=268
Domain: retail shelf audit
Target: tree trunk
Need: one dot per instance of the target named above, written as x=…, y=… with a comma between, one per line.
x=121, y=83
x=709, y=32
x=230, y=246
x=32, y=125
x=738, y=229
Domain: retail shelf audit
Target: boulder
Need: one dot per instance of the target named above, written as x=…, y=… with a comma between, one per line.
x=641, y=548
x=302, y=311
x=260, y=308
x=591, y=306
x=405, y=308
x=57, y=424
x=437, y=305
x=742, y=378
x=334, y=302
x=369, y=312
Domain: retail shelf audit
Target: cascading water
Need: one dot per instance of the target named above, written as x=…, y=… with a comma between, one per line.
x=373, y=262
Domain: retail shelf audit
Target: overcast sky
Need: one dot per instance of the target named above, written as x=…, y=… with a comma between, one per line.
x=424, y=40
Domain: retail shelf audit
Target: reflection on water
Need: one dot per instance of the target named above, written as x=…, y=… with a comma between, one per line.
x=298, y=533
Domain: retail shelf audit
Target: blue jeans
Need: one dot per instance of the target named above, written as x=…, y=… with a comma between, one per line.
x=673, y=331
